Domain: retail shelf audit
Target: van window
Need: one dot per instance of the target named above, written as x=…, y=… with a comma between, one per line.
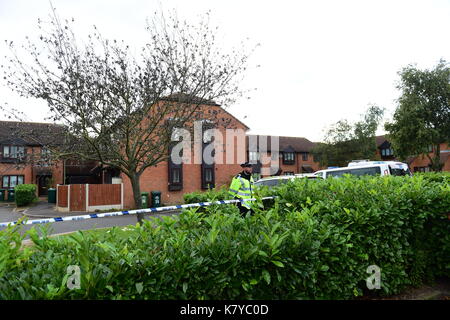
x=399, y=171
x=319, y=174
x=372, y=171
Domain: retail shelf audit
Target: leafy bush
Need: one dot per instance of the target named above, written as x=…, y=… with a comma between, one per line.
x=25, y=194
x=316, y=242
x=206, y=196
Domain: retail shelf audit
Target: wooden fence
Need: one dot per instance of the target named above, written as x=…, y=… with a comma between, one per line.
x=89, y=197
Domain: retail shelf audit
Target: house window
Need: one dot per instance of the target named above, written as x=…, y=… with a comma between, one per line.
x=175, y=174
x=430, y=148
x=175, y=178
x=288, y=157
x=207, y=169
x=305, y=156
x=13, y=152
x=208, y=176
x=387, y=152
x=289, y=173
x=253, y=156
x=12, y=181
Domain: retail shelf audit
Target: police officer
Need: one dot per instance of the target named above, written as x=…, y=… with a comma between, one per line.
x=241, y=188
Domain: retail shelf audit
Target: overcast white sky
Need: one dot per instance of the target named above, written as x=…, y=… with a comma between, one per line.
x=320, y=61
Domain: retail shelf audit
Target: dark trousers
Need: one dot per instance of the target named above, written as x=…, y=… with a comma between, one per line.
x=243, y=210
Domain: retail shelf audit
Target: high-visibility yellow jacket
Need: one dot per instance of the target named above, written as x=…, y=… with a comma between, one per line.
x=241, y=188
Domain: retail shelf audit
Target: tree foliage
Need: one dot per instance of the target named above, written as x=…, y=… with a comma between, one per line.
x=345, y=141
x=422, y=117
x=118, y=108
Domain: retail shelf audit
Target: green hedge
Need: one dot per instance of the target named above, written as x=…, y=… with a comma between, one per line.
x=25, y=194
x=316, y=242
x=205, y=196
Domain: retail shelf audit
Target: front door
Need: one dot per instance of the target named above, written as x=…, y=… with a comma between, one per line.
x=43, y=184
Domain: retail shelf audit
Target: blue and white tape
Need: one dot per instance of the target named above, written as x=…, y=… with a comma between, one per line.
x=125, y=213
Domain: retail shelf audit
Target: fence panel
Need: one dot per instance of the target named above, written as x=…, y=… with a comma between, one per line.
x=105, y=194
x=77, y=197
x=62, y=199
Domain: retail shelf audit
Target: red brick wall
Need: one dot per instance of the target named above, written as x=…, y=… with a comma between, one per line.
x=29, y=172
x=156, y=178
x=423, y=161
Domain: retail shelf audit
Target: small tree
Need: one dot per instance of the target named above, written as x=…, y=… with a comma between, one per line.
x=422, y=118
x=121, y=110
x=345, y=142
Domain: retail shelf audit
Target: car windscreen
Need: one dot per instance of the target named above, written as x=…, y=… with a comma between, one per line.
x=399, y=171
x=372, y=171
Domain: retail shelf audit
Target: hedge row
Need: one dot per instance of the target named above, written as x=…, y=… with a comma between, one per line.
x=25, y=194
x=210, y=195
x=316, y=242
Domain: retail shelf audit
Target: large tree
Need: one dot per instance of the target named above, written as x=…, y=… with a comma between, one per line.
x=345, y=141
x=422, y=117
x=119, y=109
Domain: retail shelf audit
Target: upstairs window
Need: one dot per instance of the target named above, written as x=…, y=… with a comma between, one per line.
x=253, y=156
x=288, y=157
x=305, y=156
x=13, y=152
x=387, y=152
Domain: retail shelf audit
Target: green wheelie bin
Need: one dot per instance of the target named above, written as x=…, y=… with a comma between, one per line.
x=144, y=196
x=2, y=195
x=156, y=199
x=51, y=195
x=11, y=194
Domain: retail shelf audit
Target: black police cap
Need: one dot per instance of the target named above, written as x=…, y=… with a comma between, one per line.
x=246, y=165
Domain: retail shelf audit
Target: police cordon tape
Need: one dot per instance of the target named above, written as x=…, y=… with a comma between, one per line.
x=126, y=213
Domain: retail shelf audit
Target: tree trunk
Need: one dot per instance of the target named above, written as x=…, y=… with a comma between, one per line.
x=436, y=164
x=134, y=178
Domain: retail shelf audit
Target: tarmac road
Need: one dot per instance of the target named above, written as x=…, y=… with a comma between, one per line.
x=8, y=214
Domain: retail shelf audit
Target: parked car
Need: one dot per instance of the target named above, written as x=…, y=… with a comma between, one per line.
x=306, y=175
x=277, y=180
x=373, y=168
x=273, y=181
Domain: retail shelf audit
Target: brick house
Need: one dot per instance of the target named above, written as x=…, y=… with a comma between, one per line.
x=22, y=154
x=419, y=163
x=174, y=180
x=294, y=155
x=20, y=142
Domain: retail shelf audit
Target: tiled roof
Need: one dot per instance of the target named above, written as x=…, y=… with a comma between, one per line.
x=380, y=140
x=297, y=144
x=183, y=97
x=30, y=133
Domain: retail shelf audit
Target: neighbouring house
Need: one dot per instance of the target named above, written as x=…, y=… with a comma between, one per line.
x=419, y=163
x=23, y=158
x=294, y=155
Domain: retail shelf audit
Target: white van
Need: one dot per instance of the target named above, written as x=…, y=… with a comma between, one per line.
x=373, y=168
